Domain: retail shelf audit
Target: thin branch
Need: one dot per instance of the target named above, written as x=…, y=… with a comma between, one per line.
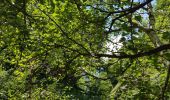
x=64, y=33
x=132, y=10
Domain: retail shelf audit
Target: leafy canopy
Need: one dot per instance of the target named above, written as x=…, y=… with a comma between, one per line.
x=84, y=49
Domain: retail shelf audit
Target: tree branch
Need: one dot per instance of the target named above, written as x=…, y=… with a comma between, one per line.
x=63, y=32
x=140, y=54
x=132, y=10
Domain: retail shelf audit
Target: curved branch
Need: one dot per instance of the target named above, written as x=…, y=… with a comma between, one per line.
x=140, y=54
x=127, y=11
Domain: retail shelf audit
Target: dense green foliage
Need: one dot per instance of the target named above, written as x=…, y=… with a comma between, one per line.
x=84, y=49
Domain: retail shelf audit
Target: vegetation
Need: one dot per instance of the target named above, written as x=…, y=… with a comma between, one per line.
x=84, y=49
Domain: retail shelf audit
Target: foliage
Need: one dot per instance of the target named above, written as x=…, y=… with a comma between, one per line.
x=84, y=49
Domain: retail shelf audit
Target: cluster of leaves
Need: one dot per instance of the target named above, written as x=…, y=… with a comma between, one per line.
x=81, y=49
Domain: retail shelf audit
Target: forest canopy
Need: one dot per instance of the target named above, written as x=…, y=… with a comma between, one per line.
x=84, y=49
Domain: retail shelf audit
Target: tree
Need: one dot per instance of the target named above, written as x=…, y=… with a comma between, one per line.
x=84, y=49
